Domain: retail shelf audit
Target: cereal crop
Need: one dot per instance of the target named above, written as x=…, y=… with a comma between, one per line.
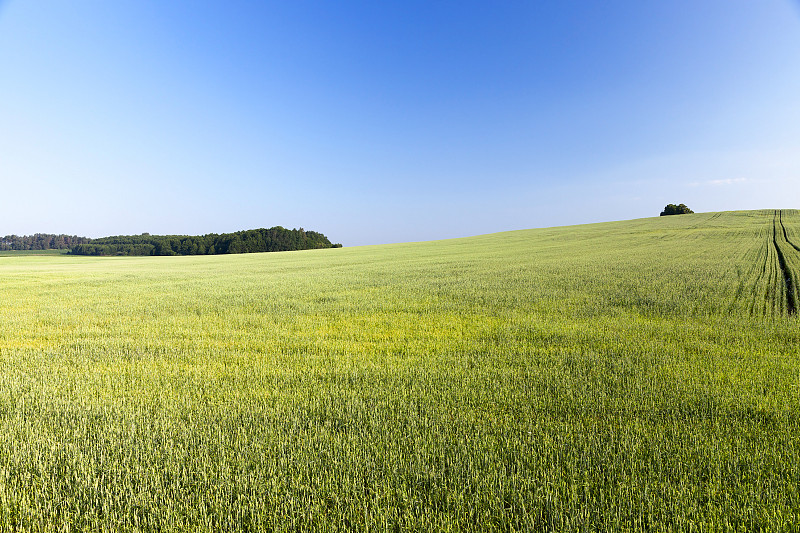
x=628, y=376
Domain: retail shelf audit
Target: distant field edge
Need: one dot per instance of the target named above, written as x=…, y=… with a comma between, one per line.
x=29, y=253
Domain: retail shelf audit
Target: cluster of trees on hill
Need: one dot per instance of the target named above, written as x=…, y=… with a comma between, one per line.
x=40, y=241
x=277, y=239
x=673, y=209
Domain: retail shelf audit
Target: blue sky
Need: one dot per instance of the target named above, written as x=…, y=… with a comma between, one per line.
x=378, y=122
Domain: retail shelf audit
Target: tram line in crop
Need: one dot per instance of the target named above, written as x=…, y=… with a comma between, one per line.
x=791, y=301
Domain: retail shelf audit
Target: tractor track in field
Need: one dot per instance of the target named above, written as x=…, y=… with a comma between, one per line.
x=791, y=304
x=786, y=237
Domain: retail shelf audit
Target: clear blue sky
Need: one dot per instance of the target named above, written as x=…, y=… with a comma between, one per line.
x=391, y=121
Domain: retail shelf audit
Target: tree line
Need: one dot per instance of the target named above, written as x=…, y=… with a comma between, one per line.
x=41, y=241
x=276, y=239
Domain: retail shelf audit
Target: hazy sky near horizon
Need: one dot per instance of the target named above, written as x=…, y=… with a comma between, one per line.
x=377, y=122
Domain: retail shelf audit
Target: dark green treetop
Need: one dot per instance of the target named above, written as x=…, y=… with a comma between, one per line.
x=673, y=209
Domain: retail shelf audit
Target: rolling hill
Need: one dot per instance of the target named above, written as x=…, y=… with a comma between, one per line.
x=634, y=375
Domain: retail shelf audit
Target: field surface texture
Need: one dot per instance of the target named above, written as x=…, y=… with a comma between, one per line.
x=638, y=375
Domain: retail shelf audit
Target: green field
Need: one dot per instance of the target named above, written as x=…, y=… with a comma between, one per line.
x=638, y=375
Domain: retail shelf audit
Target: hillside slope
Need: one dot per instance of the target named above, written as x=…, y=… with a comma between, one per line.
x=630, y=375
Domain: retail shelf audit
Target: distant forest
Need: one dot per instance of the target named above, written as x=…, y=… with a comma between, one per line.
x=41, y=241
x=277, y=239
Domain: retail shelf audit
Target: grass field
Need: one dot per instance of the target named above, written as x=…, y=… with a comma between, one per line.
x=638, y=375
